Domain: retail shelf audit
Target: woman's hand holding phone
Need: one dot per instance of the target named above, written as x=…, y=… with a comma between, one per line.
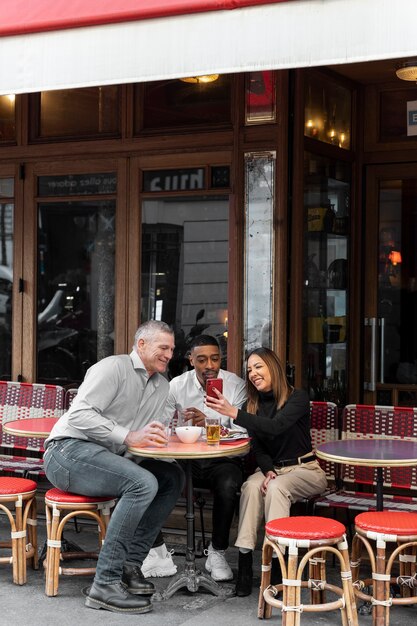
x=215, y=399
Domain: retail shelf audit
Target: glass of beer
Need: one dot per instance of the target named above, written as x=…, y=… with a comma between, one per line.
x=213, y=431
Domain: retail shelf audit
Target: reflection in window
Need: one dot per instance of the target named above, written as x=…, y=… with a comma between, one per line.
x=85, y=112
x=185, y=244
x=6, y=276
x=76, y=243
x=7, y=118
x=328, y=111
x=174, y=103
x=260, y=97
x=259, y=208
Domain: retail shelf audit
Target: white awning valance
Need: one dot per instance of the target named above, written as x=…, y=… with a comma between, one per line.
x=298, y=33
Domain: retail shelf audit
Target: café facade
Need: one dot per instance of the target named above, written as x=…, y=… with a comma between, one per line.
x=242, y=169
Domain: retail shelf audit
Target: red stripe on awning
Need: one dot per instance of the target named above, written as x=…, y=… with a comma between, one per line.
x=20, y=17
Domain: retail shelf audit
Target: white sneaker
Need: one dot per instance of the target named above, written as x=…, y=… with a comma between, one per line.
x=159, y=563
x=217, y=565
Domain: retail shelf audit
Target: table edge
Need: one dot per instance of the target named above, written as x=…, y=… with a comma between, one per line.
x=324, y=456
x=163, y=453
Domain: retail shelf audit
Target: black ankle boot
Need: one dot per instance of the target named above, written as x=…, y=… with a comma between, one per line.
x=276, y=576
x=244, y=575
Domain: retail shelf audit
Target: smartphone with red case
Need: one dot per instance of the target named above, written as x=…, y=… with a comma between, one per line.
x=214, y=383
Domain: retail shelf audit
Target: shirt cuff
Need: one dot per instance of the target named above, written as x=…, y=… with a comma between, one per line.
x=118, y=434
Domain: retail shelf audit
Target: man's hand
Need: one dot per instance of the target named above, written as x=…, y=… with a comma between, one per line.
x=195, y=416
x=153, y=434
x=264, y=487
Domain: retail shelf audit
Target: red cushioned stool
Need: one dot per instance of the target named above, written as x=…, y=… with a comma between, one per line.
x=20, y=493
x=317, y=536
x=76, y=505
x=373, y=531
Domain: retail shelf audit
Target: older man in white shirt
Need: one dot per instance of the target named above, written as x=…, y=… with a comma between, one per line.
x=224, y=476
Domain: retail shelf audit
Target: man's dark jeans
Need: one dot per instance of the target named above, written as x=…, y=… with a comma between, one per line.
x=224, y=478
x=146, y=495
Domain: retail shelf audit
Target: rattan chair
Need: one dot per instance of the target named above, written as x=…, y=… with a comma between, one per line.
x=362, y=421
x=317, y=536
x=25, y=401
x=70, y=505
x=373, y=531
x=18, y=502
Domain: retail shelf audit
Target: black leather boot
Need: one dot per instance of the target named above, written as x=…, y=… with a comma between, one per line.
x=244, y=574
x=135, y=581
x=115, y=598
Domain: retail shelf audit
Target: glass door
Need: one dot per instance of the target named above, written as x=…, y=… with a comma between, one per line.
x=326, y=261
x=390, y=334
x=7, y=206
x=182, y=238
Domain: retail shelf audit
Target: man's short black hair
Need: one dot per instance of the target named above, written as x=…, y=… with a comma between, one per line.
x=204, y=340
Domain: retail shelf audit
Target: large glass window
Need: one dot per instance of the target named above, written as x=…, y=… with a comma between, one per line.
x=176, y=103
x=259, y=210
x=328, y=111
x=6, y=275
x=86, y=112
x=7, y=118
x=76, y=274
x=185, y=247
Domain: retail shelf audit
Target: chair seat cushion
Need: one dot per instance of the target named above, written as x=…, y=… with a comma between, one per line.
x=388, y=522
x=10, y=485
x=65, y=497
x=305, y=527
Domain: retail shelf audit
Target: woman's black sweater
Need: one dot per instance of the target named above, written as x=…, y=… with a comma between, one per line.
x=278, y=434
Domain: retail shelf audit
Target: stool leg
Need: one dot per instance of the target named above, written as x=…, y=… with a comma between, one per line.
x=290, y=593
x=264, y=609
x=32, y=530
x=379, y=587
x=407, y=560
x=20, y=543
x=347, y=584
x=317, y=571
x=15, y=558
x=52, y=553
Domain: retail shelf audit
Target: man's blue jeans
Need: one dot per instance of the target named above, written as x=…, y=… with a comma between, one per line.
x=146, y=494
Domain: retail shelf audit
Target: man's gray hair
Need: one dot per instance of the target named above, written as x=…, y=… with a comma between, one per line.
x=148, y=329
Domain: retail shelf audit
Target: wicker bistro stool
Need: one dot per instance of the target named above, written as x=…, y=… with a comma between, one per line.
x=20, y=492
x=373, y=531
x=317, y=536
x=71, y=504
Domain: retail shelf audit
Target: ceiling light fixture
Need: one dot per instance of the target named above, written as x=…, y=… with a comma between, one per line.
x=407, y=70
x=207, y=78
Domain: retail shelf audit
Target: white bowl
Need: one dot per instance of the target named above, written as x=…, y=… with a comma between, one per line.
x=188, y=434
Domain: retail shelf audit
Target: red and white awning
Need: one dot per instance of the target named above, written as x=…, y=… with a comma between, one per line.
x=57, y=44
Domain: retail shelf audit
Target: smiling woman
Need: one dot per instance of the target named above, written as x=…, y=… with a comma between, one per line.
x=277, y=418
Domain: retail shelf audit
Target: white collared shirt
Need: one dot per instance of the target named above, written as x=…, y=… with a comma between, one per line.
x=186, y=391
x=117, y=396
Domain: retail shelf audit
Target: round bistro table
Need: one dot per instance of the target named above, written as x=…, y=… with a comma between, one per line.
x=192, y=578
x=30, y=427
x=377, y=453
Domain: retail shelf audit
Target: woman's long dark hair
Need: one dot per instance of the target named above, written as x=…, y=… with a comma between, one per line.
x=280, y=385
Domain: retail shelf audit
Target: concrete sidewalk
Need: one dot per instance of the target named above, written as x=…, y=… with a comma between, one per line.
x=29, y=606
